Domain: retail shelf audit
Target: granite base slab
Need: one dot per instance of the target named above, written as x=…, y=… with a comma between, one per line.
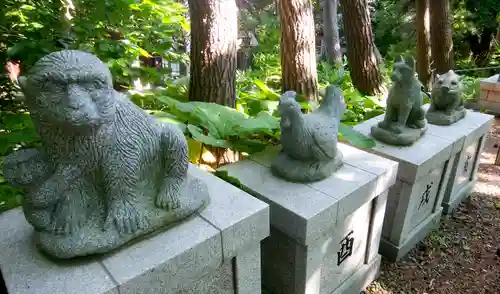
x=468, y=136
x=324, y=235
x=415, y=200
x=395, y=252
x=214, y=251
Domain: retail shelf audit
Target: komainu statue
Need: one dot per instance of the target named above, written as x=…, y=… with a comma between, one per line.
x=404, y=121
x=309, y=141
x=447, y=106
x=107, y=172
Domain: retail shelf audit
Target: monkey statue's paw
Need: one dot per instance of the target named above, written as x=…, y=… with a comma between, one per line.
x=67, y=218
x=125, y=217
x=44, y=196
x=169, y=196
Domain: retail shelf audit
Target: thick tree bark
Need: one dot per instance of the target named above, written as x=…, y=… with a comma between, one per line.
x=361, y=50
x=441, y=36
x=331, y=39
x=423, y=43
x=298, y=52
x=214, y=33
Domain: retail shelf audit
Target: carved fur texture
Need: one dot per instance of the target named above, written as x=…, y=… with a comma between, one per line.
x=105, y=150
x=404, y=102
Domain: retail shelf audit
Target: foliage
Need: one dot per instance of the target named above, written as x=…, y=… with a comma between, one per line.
x=118, y=31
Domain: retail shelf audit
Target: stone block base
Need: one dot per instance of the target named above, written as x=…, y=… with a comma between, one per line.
x=216, y=250
x=324, y=235
x=464, y=193
x=361, y=278
x=394, y=252
x=489, y=99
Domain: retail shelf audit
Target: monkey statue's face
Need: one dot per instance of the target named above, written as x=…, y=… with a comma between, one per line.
x=69, y=88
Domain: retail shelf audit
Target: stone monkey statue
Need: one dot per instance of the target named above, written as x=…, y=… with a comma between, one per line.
x=117, y=172
x=404, y=121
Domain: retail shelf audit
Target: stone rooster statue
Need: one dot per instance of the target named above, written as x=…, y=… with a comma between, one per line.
x=309, y=141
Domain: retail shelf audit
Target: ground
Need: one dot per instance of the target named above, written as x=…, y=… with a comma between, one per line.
x=463, y=256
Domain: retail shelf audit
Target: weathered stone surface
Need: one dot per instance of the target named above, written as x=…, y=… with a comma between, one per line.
x=311, y=222
x=414, y=202
x=107, y=172
x=309, y=141
x=447, y=106
x=404, y=121
x=469, y=136
x=490, y=94
x=188, y=258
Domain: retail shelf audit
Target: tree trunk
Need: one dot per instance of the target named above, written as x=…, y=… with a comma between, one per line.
x=298, y=52
x=214, y=33
x=481, y=46
x=361, y=50
x=423, y=43
x=331, y=39
x=441, y=36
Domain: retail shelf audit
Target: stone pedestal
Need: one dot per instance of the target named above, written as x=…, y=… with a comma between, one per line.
x=215, y=251
x=324, y=235
x=414, y=202
x=490, y=94
x=468, y=136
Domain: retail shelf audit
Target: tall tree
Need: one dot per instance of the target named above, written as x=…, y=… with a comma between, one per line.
x=441, y=36
x=298, y=52
x=361, y=50
x=331, y=38
x=214, y=33
x=423, y=42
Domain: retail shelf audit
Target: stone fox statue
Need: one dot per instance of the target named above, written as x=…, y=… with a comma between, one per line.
x=103, y=148
x=404, y=103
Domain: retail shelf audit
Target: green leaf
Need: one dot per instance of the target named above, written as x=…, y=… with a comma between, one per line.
x=195, y=149
x=270, y=94
x=197, y=134
x=249, y=146
x=262, y=123
x=356, y=138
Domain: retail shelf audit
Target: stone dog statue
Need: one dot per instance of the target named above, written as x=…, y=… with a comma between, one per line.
x=404, y=121
x=309, y=141
x=107, y=172
x=447, y=106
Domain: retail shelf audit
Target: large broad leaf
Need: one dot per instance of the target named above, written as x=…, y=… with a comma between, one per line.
x=255, y=106
x=249, y=146
x=195, y=149
x=168, y=118
x=262, y=123
x=197, y=134
x=356, y=138
x=219, y=120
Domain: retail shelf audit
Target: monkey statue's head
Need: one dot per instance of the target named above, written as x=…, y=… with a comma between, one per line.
x=403, y=70
x=71, y=89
